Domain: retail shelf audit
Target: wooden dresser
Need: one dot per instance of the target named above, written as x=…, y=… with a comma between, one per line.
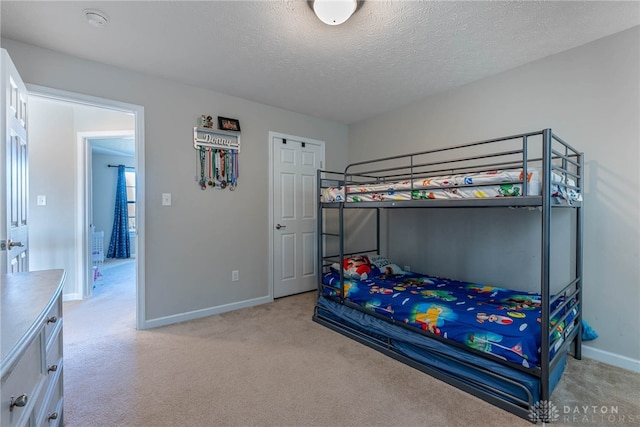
x=31, y=349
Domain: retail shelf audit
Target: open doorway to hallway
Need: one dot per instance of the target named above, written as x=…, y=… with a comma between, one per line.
x=111, y=176
x=72, y=189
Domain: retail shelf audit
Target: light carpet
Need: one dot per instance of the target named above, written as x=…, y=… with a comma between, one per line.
x=271, y=365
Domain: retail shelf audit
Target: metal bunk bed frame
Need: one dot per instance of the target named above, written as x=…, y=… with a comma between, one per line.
x=556, y=157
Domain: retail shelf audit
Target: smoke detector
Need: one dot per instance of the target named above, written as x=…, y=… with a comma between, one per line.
x=96, y=18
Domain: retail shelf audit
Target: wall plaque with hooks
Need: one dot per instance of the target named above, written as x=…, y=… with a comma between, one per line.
x=215, y=138
x=217, y=164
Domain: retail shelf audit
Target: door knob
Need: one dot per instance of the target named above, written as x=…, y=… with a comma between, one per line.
x=11, y=244
x=280, y=226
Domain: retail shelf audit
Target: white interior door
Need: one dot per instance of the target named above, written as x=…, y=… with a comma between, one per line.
x=294, y=165
x=14, y=212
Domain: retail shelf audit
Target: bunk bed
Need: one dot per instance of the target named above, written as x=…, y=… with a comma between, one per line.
x=505, y=346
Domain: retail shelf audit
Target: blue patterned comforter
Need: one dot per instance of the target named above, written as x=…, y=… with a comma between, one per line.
x=502, y=322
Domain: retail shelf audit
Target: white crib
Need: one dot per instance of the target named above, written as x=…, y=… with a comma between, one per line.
x=97, y=252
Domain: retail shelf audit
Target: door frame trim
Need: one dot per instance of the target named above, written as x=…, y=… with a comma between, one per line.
x=85, y=194
x=272, y=136
x=138, y=113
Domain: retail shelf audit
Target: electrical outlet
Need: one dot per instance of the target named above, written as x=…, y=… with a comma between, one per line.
x=235, y=276
x=407, y=268
x=42, y=200
x=166, y=199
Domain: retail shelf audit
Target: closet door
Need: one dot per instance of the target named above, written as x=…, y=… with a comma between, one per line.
x=294, y=215
x=14, y=211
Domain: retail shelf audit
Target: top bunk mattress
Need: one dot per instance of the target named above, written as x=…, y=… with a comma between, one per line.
x=489, y=184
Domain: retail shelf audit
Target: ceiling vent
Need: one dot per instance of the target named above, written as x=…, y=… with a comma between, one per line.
x=96, y=18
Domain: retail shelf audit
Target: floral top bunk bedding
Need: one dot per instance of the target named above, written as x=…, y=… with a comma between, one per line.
x=498, y=321
x=494, y=183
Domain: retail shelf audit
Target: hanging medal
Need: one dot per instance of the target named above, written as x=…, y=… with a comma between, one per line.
x=219, y=169
x=195, y=177
x=202, y=182
x=228, y=162
x=237, y=166
x=232, y=187
x=214, y=165
x=210, y=158
x=223, y=183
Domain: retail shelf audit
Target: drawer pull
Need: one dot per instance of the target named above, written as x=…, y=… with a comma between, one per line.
x=20, y=401
x=53, y=416
x=52, y=319
x=52, y=368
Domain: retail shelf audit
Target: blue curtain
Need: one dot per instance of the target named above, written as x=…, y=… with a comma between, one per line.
x=119, y=246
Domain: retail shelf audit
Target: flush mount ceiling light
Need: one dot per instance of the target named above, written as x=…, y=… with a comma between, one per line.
x=96, y=18
x=334, y=12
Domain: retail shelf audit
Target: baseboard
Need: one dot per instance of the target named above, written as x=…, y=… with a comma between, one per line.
x=611, y=358
x=197, y=314
x=71, y=297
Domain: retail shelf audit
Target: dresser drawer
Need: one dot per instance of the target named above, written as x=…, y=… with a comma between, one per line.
x=53, y=372
x=54, y=350
x=26, y=378
x=53, y=320
x=50, y=410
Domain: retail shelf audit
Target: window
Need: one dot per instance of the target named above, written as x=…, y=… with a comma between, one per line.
x=130, y=179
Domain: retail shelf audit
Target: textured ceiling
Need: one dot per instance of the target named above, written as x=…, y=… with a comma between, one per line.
x=389, y=54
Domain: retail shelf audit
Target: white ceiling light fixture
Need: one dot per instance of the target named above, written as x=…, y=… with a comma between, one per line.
x=96, y=18
x=334, y=12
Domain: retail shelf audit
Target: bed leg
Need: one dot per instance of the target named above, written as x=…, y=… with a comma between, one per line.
x=578, y=344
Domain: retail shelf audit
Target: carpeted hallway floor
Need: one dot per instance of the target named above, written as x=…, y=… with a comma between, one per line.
x=272, y=366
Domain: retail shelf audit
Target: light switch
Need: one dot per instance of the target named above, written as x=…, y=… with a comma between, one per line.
x=42, y=200
x=166, y=199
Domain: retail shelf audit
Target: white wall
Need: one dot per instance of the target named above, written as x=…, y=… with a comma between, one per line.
x=53, y=128
x=590, y=97
x=52, y=174
x=192, y=246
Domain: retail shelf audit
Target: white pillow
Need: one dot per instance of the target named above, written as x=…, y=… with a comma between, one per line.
x=379, y=261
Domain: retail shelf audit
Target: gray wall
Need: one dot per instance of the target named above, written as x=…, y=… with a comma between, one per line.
x=590, y=97
x=192, y=246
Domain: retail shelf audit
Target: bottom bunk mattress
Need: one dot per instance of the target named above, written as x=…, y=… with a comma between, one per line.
x=502, y=322
x=441, y=360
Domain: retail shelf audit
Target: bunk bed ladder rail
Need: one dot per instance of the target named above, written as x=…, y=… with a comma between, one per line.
x=579, y=257
x=545, y=257
x=575, y=335
x=322, y=257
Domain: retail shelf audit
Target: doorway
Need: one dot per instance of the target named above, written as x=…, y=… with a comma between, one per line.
x=293, y=200
x=67, y=126
x=106, y=152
